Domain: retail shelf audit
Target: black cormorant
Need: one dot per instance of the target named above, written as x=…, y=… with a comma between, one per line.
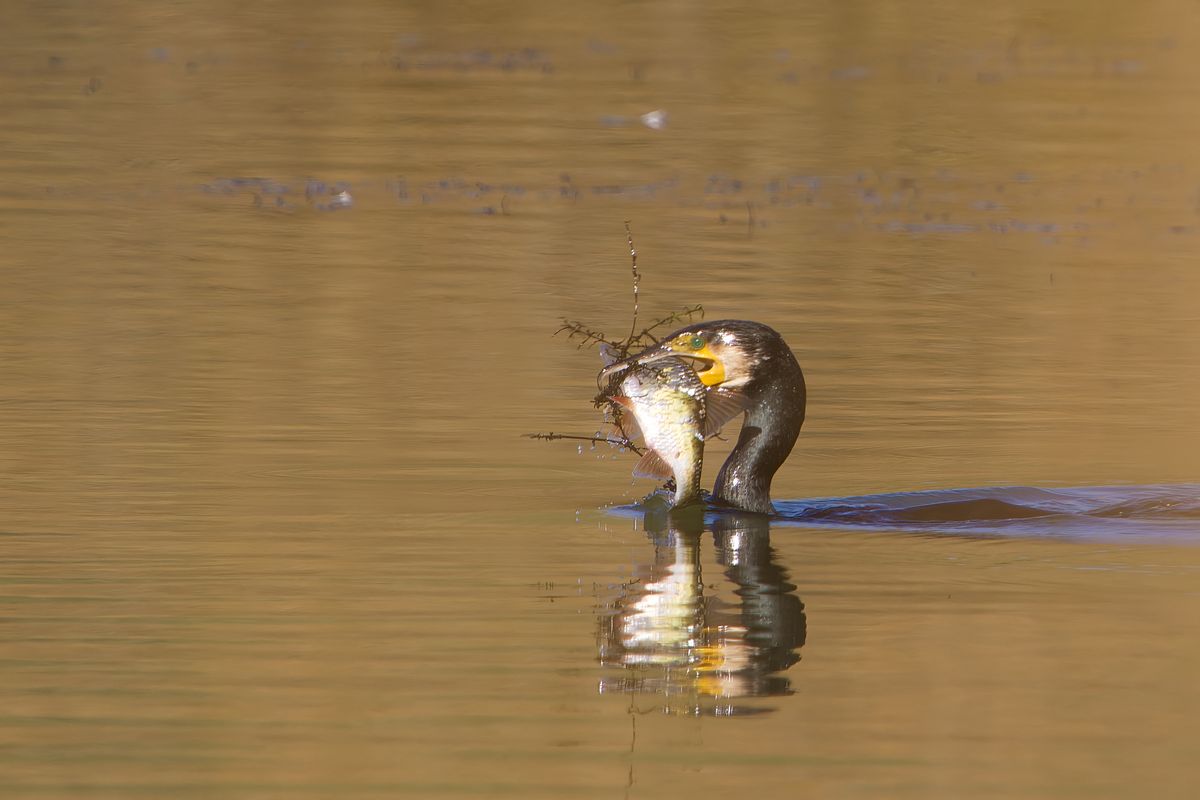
x=753, y=360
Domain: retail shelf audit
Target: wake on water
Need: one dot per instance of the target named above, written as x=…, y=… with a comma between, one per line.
x=1148, y=512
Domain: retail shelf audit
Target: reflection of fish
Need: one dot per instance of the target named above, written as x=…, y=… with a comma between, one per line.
x=674, y=412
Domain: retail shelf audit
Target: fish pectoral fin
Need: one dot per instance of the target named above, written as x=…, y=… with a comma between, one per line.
x=624, y=419
x=652, y=465
x=629, y=427
x=722, y=405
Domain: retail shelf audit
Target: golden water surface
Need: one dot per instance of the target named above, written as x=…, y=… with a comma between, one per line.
x=279, y=283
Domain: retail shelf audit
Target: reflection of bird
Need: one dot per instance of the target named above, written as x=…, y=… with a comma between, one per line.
x=754, y=360
x=681, y=636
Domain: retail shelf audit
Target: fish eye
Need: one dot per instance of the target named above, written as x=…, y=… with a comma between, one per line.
x=696, y=342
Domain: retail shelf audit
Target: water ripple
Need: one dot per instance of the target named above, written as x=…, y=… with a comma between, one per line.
x=1092, y=512
x=1159, y=512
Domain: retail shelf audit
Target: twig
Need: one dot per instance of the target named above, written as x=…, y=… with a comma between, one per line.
x=578, y=329
x=637, y=278
x=688, y=314
x=622, y=442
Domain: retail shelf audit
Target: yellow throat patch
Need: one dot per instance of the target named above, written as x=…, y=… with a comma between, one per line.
x=712, y=376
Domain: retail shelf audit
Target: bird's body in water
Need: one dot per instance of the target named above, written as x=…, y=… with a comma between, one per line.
x=752, y=361
x=672, y=408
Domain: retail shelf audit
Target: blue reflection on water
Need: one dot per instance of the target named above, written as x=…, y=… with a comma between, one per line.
x=1100, y=513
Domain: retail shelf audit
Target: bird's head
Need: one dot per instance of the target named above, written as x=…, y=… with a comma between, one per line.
x=727, y=353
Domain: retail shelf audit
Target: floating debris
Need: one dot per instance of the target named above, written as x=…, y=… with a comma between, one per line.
x=655, y=120
x=614, y=413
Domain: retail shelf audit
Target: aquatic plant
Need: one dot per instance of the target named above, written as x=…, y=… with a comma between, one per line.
x=587, y=336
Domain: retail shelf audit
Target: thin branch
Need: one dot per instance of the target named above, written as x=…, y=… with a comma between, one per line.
x=579, y=330
x=637, y=278
x=549, y=437
x=685, y=314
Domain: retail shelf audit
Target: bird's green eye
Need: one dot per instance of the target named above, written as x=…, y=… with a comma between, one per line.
x=696, y=343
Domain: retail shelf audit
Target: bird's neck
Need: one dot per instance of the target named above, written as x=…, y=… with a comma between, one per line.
x=768, y=434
